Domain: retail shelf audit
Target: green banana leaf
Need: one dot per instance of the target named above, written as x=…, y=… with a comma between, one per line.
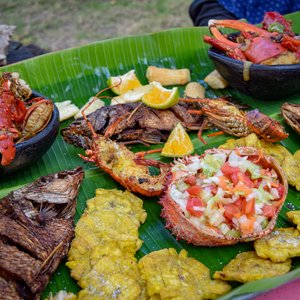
x=79, y=73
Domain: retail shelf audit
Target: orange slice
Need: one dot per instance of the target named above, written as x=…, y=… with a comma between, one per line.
x=124, y=83
x=178, y=144
x=159, y=97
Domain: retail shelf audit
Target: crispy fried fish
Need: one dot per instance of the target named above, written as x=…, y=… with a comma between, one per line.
x=169, y=275
x=247, y=266
x=36, y=228
x=280, y=245
x=294, y=216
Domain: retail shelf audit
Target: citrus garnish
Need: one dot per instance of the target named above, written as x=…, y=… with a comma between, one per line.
x=160, y=97
x=123, y=83
x=132, y=95
x=178, y=144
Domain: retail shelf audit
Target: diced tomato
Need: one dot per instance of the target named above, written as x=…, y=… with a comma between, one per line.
x=191, y=180
x=213, y=189
x=239, y=203
x=192, y=205
x=229, y=170
x=249, y=207
x=257, y=182
x=269, y=211
x=231, y=211
x=245, y=178
x=194, y=190
x=280, y=190
x=234, y=179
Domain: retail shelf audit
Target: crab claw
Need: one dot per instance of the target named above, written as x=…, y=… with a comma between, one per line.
x=238, y=25
x=232, y=51
x=258, y=46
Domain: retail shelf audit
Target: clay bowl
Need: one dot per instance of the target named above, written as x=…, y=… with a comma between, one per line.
x=31, y=150
x=265, y=82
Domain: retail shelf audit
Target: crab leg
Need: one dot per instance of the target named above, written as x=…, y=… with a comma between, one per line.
x=238, y=25
x=259, y=48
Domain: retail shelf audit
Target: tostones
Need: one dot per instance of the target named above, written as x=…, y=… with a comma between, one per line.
x=169, y=275
x=101, y=256
x=247, y=266
x=114, y=277
x=279, y=245
x=294, y=216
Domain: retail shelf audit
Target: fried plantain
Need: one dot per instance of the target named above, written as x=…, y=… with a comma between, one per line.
x=114, y=277
x=169, y=275
x=294, y=216
x=280, y=245
x=101, y=257
x=247, y=266
x=109, y=226
x=125, y=203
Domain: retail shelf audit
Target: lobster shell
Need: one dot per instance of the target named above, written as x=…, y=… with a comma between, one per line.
x=182, y=228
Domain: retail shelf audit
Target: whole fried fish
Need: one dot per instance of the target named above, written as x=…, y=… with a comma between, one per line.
x=36, y=228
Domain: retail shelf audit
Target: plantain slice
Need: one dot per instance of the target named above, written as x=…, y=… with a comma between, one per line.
x=247, y=266
x=280, y=245
x=169, y=275
x=113, y=277
x=294, y=216
x=101, y=257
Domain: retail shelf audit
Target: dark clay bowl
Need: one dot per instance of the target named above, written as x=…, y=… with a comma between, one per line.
x=29, y=151
x=266, y=82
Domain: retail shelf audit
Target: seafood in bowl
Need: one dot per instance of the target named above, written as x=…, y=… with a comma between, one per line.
x=29, y=123
x=273, y=44
x=223, y=196
x=258, y=62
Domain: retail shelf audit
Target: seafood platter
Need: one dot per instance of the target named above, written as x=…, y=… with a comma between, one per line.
x=164, y=182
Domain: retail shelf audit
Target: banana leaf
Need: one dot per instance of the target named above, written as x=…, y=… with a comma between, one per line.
x=79, y=73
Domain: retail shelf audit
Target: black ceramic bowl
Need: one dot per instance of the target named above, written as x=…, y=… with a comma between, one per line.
x=31, y=150
x=265, y=82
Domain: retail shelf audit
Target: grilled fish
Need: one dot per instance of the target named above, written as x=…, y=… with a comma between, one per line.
x=36, y=228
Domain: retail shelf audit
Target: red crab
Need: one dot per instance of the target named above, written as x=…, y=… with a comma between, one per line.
x=274, y=43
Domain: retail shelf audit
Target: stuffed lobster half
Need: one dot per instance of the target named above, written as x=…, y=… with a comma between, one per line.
x=224, y=196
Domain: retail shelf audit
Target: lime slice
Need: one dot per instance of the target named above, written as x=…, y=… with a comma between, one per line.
x=123, y=83
x=178, y=144
x=160, y=97
x=132, y=95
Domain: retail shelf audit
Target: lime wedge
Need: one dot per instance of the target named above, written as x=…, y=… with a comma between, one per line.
x=178, y=144
x=132, y=95
x=160, y=97
x=123, y=83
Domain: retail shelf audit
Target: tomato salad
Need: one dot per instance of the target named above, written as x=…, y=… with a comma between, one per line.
x=230, y=192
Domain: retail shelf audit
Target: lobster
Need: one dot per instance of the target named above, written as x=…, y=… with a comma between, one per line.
x=16, y=117
x=126, y=167
x=272, y=44
x=232, y=120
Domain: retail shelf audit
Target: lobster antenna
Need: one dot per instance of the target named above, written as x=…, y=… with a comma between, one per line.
x=93, y=100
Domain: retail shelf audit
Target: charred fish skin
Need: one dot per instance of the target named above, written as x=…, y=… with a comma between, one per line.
x=36, y=229
x=291, y=114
